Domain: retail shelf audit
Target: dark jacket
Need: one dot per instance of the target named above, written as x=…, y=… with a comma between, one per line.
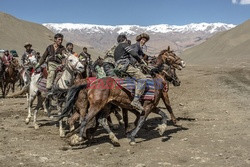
x=52, y=55
x=124, y=51
x=137, y=48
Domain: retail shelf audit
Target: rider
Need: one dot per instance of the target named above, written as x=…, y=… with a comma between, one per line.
x=28, y=52
x=141, y=41
x=6, y=59
x=85, y=56
x=25, y=57
x=123, y=57
x=109, y=61
x=54, y=54
x=69, y=49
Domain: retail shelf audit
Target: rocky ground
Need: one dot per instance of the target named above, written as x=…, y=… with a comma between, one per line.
x=212, y=106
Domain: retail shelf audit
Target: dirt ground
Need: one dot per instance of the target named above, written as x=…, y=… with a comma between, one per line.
x=212, y=106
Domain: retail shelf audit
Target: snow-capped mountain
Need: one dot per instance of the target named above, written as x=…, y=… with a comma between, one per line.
x=102, y=37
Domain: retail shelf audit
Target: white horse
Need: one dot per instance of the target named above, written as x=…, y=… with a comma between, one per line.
x=31, y=61
x=72, y=65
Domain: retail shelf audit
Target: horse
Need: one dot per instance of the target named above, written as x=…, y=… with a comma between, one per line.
x=72, y=65
x=100, y=97
x=81, y=103
x=10, y=77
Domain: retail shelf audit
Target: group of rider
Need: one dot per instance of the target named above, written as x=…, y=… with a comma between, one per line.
x=122, y=57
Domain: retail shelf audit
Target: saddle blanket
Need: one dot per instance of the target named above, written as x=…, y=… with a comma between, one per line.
x=126, y=83
x=41, y=84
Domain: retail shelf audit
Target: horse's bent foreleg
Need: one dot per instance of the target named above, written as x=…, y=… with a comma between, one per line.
x=91, y=114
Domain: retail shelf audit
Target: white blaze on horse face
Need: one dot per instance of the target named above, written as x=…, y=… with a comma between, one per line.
x=75, y=63
x=32, y=59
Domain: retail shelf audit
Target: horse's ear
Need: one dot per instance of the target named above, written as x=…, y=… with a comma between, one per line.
x=168, y=48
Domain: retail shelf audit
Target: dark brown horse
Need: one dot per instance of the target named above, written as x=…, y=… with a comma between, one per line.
x=10, y=77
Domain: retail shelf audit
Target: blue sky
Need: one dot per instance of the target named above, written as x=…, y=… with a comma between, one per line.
x=132, y=12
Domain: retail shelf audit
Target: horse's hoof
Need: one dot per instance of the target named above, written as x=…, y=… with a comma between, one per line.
x=72, y=128
x=162, y=128
x=174, y=121
x=27, y=121
x=114, y=140
x=62, y=134
x=121, y=122
x=75, y=139
x=132, y=143
x=115, y=127
x=36, y=126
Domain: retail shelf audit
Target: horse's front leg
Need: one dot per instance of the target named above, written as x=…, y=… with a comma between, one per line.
x=61, y=130
x=32, y=96
x=166, y=101
x=38, y=106
x=13, y=87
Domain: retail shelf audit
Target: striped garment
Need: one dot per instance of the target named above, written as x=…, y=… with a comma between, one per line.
x=128, y=84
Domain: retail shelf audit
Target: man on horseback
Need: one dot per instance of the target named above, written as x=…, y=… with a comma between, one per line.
x=69, y=49
x=141, y=41
x=6, y=59
x=54, y=54
x=126, y=58
x=85, y=56
x=28, y=52
x=28, y=66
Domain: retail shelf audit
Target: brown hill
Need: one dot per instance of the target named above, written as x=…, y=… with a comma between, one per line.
x=229, y=48
x=15, y=32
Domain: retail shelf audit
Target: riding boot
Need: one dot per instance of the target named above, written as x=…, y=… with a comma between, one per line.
x=139, y=90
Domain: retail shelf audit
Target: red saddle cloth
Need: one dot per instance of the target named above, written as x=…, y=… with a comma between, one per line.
x=127, y=83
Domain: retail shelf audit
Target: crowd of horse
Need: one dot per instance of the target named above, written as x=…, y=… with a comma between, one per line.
x=84, y=101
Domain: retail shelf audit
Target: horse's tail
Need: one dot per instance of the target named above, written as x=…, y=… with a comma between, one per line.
x=25, y=89
x=71, y=98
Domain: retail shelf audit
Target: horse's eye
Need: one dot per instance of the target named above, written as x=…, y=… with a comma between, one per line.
x=70, y=60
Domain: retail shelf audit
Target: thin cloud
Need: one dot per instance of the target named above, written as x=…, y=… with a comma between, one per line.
x=241, y=2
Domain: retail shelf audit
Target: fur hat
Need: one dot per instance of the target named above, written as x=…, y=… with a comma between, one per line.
x=143, y=35
x=27, y=44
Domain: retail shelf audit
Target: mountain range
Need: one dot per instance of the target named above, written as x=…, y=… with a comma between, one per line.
x=103, y=37
x=229, y=48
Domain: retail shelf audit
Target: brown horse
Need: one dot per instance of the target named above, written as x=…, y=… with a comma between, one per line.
x=10, y=77
x=99, y=98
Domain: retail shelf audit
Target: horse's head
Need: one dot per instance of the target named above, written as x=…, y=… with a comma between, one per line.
x=170, y=75
x=32, y=60
x=99, y=61
x=74, y=64
x=14, y=63
x=169, y=57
